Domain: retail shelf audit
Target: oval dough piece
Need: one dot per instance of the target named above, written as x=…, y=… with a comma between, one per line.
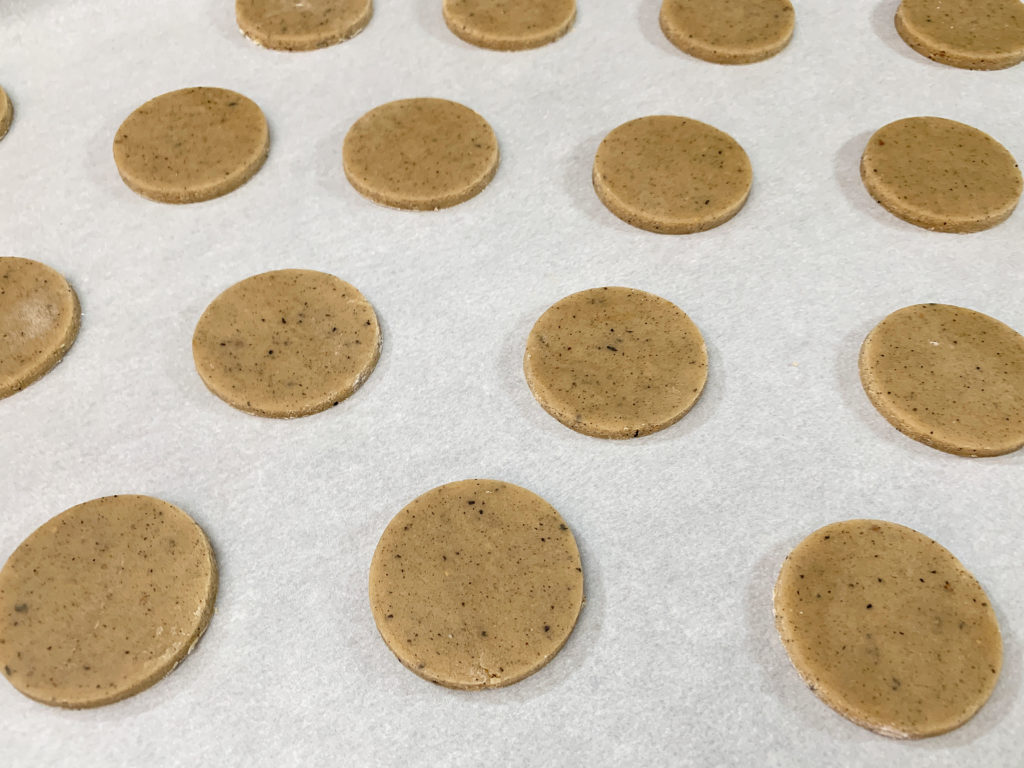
x=615, y=362
x=728, y=31
x=6, y=113
x=888, y=628
x=476, y=584
x=191, y=145
x=970, y=34
x=301, y=25
x=422, y=154
x=949, y=377
x=104, y=600
x=39, y=319
x=941, y=175
x=287, y=343
x=671, y=175
x=509, y=26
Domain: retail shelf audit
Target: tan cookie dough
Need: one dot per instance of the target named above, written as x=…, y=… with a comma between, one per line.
x=104, y=600
x=888, y=628
x=949, y=377
x=422, y=154
x=287, y=343
x=941, y=175
x=39, y=318
x=971, y=34
x=476, y=584
x=615, y=362
x=191, y=145
x=671, y=175
x=302, y=25
x=6, y=113
x=728, y=31
x=509, y=25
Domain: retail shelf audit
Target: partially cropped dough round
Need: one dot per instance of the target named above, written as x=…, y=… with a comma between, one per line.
x=888, y=628
x=104, y=600
x=6, y=113
x=509, y=25
x=476, y=584
x=949, y=377
x=301, y=25
x=728, y=31
x=971, y=34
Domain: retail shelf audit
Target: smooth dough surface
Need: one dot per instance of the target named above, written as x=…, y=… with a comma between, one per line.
x=39, y=319
x=888, y=628
x=971, y=34
x=476, y=584
x=301, y=25
x=191, y=145
x=615, y=362
x=941, y=175
x=287, y=343
x=6, y=112
x=422, y=154
x=728, y=31
x=949, y=377
x=671, y=174
x=104, y=600
x=509, y=25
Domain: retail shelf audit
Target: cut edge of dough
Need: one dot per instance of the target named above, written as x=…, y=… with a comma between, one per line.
x=507, y=43
x=943, y=53
x=721, y=54
x=6, y=112
x=300, y=43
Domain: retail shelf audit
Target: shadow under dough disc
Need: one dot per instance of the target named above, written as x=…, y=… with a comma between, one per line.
x=970, y=34
x=728, y=31
x=505, y=26
x=287, y=25
x=6, y=113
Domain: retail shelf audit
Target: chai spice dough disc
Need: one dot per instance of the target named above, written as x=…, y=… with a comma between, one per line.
x=728, y=31
x=39, y=319
x=6, y=112
x=949, y=377
x=476, y=584
x=509, y=26
x=970, y=34
x=671, y=174
x=104, y=600
x=191, y=145
x=287, y=343
x=301, y=25
x=615, y=362
x=888, y=628
x=421, y=154
x=941, y=175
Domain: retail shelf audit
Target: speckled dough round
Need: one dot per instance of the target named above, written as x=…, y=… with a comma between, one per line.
x=287, y=343
x=506, y=25
x=940, y=174
x=191, y=145
x=949, y=377
x=476, y=584
x=39, y=318
x=615, y=362
x=301, y=25
x=422, y=154
x=6, y=113
x=728, y=31
x=971, y=34
x=671, y=174
x=888, y=628
x=104, y=600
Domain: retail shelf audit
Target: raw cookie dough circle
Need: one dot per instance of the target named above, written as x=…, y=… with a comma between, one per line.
x=104, y=600
x=39, y=318
x=671, y=175
x=949, y=377
x=509, y=26
x=301, y=25
x=286, y=343
x=191, y=145
x=422, y=154
x=476, y=584
x=6, y=112
x=971, y=34
x=728, y=31
x=615, y=362
x=941, y=175
x=888, y=628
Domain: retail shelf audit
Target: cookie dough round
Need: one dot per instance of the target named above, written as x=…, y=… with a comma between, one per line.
x=476, y=584
x=970, y=34
x=301, y=25
x=191, y=145
x=287, y=343
x=888, y=628
x=39, y=319
x=615, y=362
x=941, y=175
x=509, y=26
x=6, y=112
x=671, y=174
x=421, y=154
x=104, y=600
x=949, y=377
x=728, y=31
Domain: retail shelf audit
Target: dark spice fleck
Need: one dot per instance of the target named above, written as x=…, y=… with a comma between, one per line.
x=613, y=349
x=21, y=607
